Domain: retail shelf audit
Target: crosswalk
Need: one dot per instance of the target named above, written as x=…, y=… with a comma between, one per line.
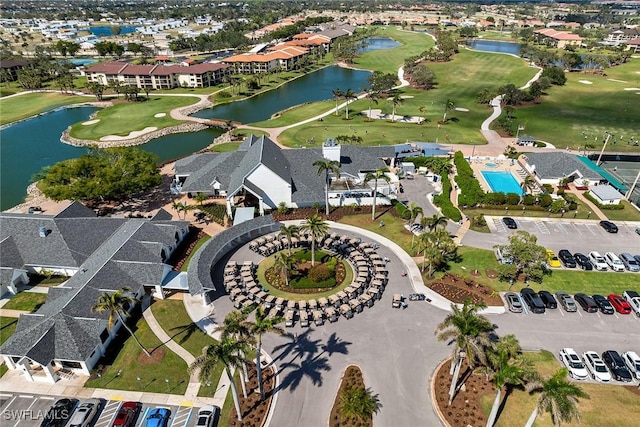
x=542, y=227
x=500, y=227
x=181, y=417
x=108, y=414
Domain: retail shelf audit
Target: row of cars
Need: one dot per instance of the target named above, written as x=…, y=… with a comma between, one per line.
x=72, y=413
x=608, y=226
x=538, y=302
x=612, y=365
x=594, y=261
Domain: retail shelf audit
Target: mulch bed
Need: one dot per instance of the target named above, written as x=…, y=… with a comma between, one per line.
x=458, y=289
x=465, y=410
x=254, y=411
x=156, y=356
x=352, y=377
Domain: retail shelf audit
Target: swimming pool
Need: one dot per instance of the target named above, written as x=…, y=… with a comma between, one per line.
x=502, y=182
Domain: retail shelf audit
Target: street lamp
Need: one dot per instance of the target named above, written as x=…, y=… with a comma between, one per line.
x=166, y=380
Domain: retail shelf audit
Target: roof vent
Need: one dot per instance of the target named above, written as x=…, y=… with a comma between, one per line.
x=44, y=232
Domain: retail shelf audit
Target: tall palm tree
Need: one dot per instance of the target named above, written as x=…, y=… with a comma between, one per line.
x=559, y=397
x=337, y=95
x=229, y=352
x=414, y=211
x=117, y=304
x=436, y=246
x=396, y=100
x=449, y=105
x=432, y=222
x=200, y=198
x=289, y=232
x=375, y=176
x=316, y=227
x=348, y=96
x=528, y=184
x=327, y=166
x=285, y=264
x=264, y=325
x=469, y=332
x=371, y=97
x=359, y=404
x=236, y=326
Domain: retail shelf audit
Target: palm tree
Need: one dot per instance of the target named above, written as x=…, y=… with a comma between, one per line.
x=528, y=184
x=449, y=105
x=359, y=404
x=264, y=325
x=348, y=96
x=432, y=222
x=285, y=264
x=236, y=326
x=375, y=176
x=414, y=211
x=396, y=100
x=372, y=97
x=469, y=332
x=229, y=352
x=337, y=94
x=316, y=227
x=289, y=232
x=200, y=197
x=436, y=247
x=327, y=166
x=117, y=304
x=559, y=397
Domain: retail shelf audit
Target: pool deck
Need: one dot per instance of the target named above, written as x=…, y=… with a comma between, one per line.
x=479, y=164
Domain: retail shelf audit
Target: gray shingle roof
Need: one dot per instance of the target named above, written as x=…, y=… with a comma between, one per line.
x=76, y=210
x=559, y=164
x=161, y=215
x=606, y=192
x=11, y=257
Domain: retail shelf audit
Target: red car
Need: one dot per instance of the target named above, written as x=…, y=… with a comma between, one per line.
x=127, y=414
x=619, y=304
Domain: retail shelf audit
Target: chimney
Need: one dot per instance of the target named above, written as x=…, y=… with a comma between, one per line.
x=43, y=231
x=331, y=150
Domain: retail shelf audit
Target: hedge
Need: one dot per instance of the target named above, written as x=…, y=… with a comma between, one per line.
x=471, y=192
x=443, y=201
x=617, y=207
x=401, y=210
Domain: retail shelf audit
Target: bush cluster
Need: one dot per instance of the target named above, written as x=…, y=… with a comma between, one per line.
x=471, y=192
x=320, y=272
x=401, y=210
x=443, y=201
x=617, y=207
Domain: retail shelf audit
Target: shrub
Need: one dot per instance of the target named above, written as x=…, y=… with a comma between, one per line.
x=402, y=210
x=471, y=192
x=560, y=191
x=617, y=207
x=320, y=273
x=528, y=200
x=548, y=188
x=224, y=94
x=513, y=198
x=545, y=200
x=443, y=201
x=498, y=198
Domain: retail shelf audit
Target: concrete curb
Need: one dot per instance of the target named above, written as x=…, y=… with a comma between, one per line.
x=432, y=388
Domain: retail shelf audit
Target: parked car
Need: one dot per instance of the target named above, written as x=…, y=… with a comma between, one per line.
x=566, y=301
x=572, y=361
x=583, y=261
x=566, y=258
x=598, y=261
x=619, y=304
x=629, y=262
x=638, y=230
x=208, y=416
x=603, y=304
x=632, y=360
x=59, y=413
x=532, y=299
x=157, y=417
x=548, y=300
x=609, y=226
x=85, y=413
x=596, y=366
x=513, y=301
x=552, y=259
x=614, y=262
x=616, y=365
x=127, y=414
x=510, y=223
x=586, y=302
x=633, y=299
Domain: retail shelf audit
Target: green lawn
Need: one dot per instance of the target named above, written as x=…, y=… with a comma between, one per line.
x=27, y=301
x=125, y=117
x=571, y=112
x=152, y=376
x=393, y=227
x=581, y=213
x=195, y=249
x=607, y=405
x=7, y=328
x=227, y=146
x=571, y=281
x=246, y=132
x=629, y=213
x=31, y=104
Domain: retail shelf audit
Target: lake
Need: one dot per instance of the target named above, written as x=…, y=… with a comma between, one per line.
x=379, y=43
x=105, y=30
x=495, y=46
x=317, y=86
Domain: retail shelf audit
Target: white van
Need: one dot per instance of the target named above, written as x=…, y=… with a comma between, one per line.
x=614, y=262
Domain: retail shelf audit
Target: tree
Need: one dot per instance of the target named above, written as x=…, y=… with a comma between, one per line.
x=555, y=75
x=414, y=211
x=200, y=198
x=96, y=89
x=449, y=105
x=316, y=227
x=105, y=174
x=371, y=97
x=236, y=326
x=327, y=166
x=348, y=96
x=559, y=397
x=116, y=86
x=396, y=100
x=337, y=95
x=469, y=333
x=285, y=264
x=359, y=404
x=382, y=82
x=528, y=184
x=528, y=258
x=228, y=351
x=117, y=304
x=432, y=222
x=264, y=324
x=375, y=176
x=289, y=232
x=437, y=247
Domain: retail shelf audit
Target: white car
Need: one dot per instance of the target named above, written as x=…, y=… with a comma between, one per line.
x=596, y=366
x=208, y=416
x=633, y=299
x=598, y=261
x=632, y=360
x=572, y=361
x=614, y=262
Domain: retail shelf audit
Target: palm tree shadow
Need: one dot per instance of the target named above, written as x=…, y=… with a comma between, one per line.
x=311, y=367
x=298, y=345
x=334, y=345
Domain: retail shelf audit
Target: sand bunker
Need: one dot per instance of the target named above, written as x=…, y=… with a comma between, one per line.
x=134, y=134
x=158, y=115
x=90, y=122
x=632, y=88
x=585, y=82
x=461, y=109
x=406, y=96
x=616, y=80
x=379, y=115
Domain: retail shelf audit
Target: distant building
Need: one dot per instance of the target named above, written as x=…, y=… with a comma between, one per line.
x=11, y=68
x=559, y=39
x=622, y=35
x=284, y=58
x=606, y=195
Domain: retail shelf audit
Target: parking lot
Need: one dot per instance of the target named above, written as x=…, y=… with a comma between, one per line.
x=27, y=410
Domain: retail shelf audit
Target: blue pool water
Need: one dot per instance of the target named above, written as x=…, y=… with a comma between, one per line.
x=502, y=182
x=490, y=165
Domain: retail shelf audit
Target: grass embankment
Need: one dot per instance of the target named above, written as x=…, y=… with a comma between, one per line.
x=570, y=112
x=26, y=301
x=31, y=104
x=608, y=404
x=195, y=249
x=393, y=227
x=7, y=328
x=126, y=117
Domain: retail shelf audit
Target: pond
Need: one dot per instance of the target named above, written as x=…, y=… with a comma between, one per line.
x=82, y=61
x=495, y=46
x=105, y=30
x=317, y=86
x=379, y=43
x=30, y=145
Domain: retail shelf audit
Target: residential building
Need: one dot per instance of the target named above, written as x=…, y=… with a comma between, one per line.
x=10, y=68
x=559, y=39
x=285, y=58
x=621, y=35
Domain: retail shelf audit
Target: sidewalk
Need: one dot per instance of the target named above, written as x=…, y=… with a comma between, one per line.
x=587, y=202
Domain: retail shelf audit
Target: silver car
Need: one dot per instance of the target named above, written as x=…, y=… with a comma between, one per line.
x=85, y=413
x=567, y=302
x=513, y=301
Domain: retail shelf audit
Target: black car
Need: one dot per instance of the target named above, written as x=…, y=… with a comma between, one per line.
x=566, y=258
x=59, y=413
x=510, y=223
x=586, y=302
x=548, y=300
x=609, y=226
x=603, y=304
x=532, y=299
x=583, y=261
x=616, y=366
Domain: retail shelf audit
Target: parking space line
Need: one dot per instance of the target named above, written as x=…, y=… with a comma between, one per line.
x=143, y=416
x=580, y=314
x=542, y=227
x=181, y=417
x=108, y=413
